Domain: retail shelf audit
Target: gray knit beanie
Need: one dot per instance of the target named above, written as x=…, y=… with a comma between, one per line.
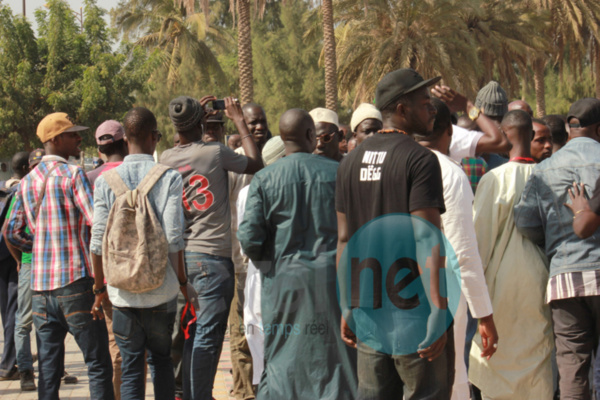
x=185, y=113
x=492, y=100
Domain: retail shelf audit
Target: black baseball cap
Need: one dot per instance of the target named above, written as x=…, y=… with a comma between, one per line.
x=398, y=83
x=586, y=110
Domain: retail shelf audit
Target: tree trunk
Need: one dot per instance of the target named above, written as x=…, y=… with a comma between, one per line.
x=524, y=83
x=245, y=52
x=540, y=92
x=597, y=62
x=329, y=56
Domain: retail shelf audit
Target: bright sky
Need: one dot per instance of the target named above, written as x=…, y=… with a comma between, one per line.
x=32, y=5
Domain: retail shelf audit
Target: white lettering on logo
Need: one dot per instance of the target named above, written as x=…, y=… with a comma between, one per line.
x=372, y=172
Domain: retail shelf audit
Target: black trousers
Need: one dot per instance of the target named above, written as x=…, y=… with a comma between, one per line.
x=9, y=288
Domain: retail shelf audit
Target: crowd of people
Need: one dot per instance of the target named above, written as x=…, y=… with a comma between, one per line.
x=478, y=219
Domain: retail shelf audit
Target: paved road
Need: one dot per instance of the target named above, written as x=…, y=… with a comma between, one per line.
x=11, y=390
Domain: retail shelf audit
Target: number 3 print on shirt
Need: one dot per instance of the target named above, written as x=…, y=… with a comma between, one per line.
x=202, y=189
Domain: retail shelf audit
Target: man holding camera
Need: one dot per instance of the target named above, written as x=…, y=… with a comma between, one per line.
x=203, y=167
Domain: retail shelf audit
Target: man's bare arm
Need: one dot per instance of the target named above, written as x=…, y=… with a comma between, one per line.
x=439, y=307
x=348, y=337
x=493, y=140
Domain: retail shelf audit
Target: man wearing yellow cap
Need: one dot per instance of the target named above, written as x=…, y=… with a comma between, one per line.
x=55, y=201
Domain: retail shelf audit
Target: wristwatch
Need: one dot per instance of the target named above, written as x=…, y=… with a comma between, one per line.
x=474, y=113
x=99, y=291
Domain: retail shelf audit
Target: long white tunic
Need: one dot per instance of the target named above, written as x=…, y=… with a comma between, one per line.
x=516, y=273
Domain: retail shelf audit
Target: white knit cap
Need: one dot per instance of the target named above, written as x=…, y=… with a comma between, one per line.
x=321, y=114
x=362, y=112
x=274, y=149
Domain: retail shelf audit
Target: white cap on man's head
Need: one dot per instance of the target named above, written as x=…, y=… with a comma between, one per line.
x=362, y=112
x=273, y=150
x=321, y=114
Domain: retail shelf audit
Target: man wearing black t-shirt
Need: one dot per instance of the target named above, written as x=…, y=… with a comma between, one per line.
x=391, y=173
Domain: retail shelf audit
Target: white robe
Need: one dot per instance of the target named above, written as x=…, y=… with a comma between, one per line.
x=516, y=273
x=457, y=225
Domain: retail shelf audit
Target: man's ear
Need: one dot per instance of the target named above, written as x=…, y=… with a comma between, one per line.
x=401, y=110
x=55, y=141
x=309, y=135
x=450, y=130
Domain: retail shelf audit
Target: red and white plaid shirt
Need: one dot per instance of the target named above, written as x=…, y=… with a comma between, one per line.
x=61, y=231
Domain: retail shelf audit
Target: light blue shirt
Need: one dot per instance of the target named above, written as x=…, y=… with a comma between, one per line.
x=542, y=216
x=165, y=198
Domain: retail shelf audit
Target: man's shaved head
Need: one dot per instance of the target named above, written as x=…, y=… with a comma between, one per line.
x=520, y=105
x=139, y=123
x=256, y=121
x=517, y=119
x=518, y=126
x=249, y=106
x=297, y=129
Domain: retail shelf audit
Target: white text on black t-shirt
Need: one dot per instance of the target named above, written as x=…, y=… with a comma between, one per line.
x=372, y=172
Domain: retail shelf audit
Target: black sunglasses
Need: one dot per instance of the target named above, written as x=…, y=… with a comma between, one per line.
x=327, y=137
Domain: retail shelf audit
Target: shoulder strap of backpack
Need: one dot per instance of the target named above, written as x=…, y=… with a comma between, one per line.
x=115, y=182
x=151, y=178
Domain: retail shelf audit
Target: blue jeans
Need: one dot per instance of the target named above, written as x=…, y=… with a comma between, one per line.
x=63, y=310
x=214, y=280
x=24, y=320
x=138, y=329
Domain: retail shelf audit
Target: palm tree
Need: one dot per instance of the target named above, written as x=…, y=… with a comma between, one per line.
x=244, y=30
x=596, y=51
x=428, y=36
x=467, y=42
x=331, y=91
x=167, y=26
x=573, y=26
x=505, y=37
x=244, y=44
x=245, y=49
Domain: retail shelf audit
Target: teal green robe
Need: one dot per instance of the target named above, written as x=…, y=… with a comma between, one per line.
x=289, y=231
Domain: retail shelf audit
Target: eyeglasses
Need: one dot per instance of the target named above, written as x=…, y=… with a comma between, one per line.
x=327, y=137
x=158, y=134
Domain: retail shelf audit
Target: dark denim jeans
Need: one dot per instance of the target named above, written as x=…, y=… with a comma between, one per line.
x=213, y=278
x=137, y=330
x=383, y=376
x=63, y=310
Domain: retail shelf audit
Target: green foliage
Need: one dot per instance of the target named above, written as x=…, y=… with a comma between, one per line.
x=561, y=93
x=286, y=70
x=68, y=68
x=73, y=67
x=181, y=37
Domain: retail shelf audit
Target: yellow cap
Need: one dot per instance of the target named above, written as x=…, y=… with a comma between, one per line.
x=54, y=124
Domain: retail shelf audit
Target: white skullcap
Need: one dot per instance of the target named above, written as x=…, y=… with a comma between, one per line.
x=274, y=149
x=362, y=112
x=321, y=114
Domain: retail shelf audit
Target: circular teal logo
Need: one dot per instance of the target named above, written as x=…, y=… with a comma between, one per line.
x=398, y=284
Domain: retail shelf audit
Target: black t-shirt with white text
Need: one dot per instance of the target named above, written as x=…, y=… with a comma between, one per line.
x=387, y=173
